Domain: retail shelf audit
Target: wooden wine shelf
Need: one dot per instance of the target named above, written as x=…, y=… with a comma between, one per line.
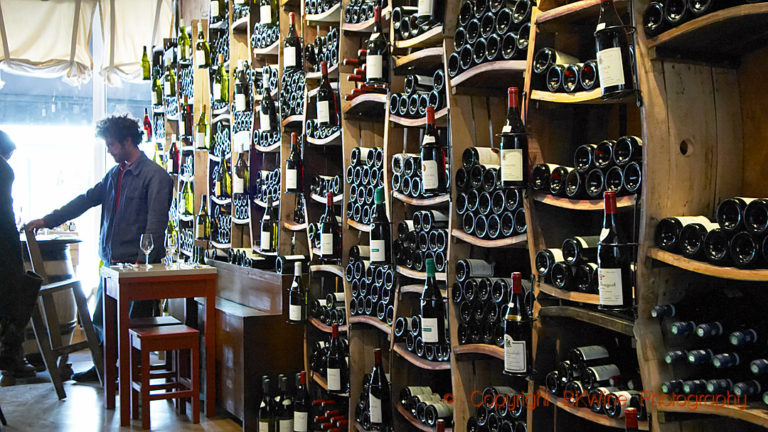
x=583, y=97
x=330, y=16
x=573, y=296
x=483, y=349
x=241, y=25
x=220, y=245
x=428, y=39
x=753, y=413
x=586, y=413
x=261, y=252
x=264, y=204
x=317, y=378
x=321, y=199
x=269, y=149
x=414, y=421
x=427, y=58
x=326, y=328
x=611, y=322
x=673, y=259
x=359, y=226
x=417, y=289
x=221, y=25
x=420, y=121
x=271, y=50
x=298, y=118
x=221, y=202
x=418, y=361
x=371, y=321
x=500, y=243
x=333, y=139
x=330, y=268
x=237, y=221
x=575, y=12
x=318, y=75
x=220, y=117
x=423, y=202
x=186, y=218
x=496, y=74
x=413, y=274
x=725, y=34
x=293, y=226
x=370, y=104
x=587, y=205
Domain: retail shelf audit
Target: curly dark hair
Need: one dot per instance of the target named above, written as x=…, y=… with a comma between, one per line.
x=120, y=128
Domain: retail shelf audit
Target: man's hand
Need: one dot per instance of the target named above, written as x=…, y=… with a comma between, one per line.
x=34, y=225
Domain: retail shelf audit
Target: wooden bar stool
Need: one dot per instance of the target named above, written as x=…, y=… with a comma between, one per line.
x=185, y=342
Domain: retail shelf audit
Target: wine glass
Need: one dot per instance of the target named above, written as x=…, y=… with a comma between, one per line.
x=146, y=244
x=171, y=243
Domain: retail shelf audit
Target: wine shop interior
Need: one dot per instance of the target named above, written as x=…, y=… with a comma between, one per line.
x=384, y=215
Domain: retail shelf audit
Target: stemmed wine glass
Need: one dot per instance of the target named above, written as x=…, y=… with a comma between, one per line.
x=146, y=244
x=171, y=243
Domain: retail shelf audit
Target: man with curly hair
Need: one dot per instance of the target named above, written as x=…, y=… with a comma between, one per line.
x=135, y=197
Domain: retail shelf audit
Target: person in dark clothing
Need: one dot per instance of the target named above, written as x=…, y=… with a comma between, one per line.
x=15, y=307
x=135, y=197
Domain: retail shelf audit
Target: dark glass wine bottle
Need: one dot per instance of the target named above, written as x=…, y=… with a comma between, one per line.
x=327, y=109
x=613, y=260
x=203, y=222
x=379, y=396
x=301, y=404
x=432, y=308
x=517, y=332
x=294, y=168
x=380, y=232
x=284, y=404
x=614, y=58
x=514, y=145
x=336, y=366
x=297, y=300
x=330, y=233
x=432, y=158
x=268, y=116
x=292, y=58
x=268, y=237
x=266, y=408
x=376, y=59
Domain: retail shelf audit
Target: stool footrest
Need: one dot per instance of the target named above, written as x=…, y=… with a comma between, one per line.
x=172, y=395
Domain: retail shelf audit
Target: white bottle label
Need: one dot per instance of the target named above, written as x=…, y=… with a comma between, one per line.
x=609, y=284
x=604, y=372
x=429, y=330
x=512, y=165
x=154, y=99
x=334, y=379
x=239, y=102
x=216, y=92
x=294, y=313
x=200, y=138
x=300, y=421
x=425, y=7
x=285, y=425
x=290, y=57
x=265, y=15
x=609, y=67
x=593, y=352
x=428, y=139
x=214, y=8
x=200, y=232
x=514, y=355
x=167, y=88
x=374, y=404
x=326, y=244
x=266, y=240
x=373, y=67
x=263, y=427
x=238, y=184
x=429, y=175
x=200, y=58
x=604, y=233
x=378, y=250
x=323, y=112
x=291, y=177
x=264, y=121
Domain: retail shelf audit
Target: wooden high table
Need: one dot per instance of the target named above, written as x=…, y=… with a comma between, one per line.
x=124, y=285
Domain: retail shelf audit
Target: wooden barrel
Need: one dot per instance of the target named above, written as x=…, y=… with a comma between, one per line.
x=58, y=265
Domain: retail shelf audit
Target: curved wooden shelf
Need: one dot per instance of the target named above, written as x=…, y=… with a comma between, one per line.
x=499, y=243
x=363, y=27
x=333, y=139
x=586, y=413
x=587, y=205
x=220, y=112
x=221, y=25
x=220, y=245
x=611, y=322
x=679, y=261
x=359, y=226
x=269, y=149
x=428, y=39
x=417, y=289
x=753, y=413
x=264, y=205
x=330, y=268
x=260, y=252
x=413, y=274
x=318, y=75
x=440, y=199
x=186, y=218
x=483, y=349
x=573, y=296
x=369, y=104
x=319, y=380
x=241, y=25
x=222, y=202
x=371, y=321
x=237, y=221
x=297, y=118
x=583, y=97
x=576, y=11
x=325, y=328
x=271, y=50
x=414, y=421
x=728, y=33
x=419, y=121
x=336, y=199
x=424, y=58
x=492, y=74
x=220, y=117
x=293, y=226
x=330, y=16
x=418, y=361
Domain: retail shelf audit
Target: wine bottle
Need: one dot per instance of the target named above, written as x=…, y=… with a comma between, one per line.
x=327, y=110
x=432, y=308
x=653, y=19
x=432, y=159
x=174, y=156
x=221, y=83
x=268, y=237
x=185, y=118
x=147, y=126
x=284, y=403
x=294, y=168
x=301, y=404
x=297, y=300
x=514, y=145
x=292, y=58
x=668, y=231
x=223, y=180
x=376, y=65
x=580, y=249
x=613, y=260
x=330, y=233
x=545, y=259
x=745, y=249
x=473, y=268
x=202, y=223
x=201, y=136
x=517, y=332
x=614, y=58
x=185, y=44
x=716, y=246
x=188, y=198
x=241, y=179
x=266, y=408
x=336, y=364
x=268, y=12
x=379, y=397
x=380, y=232
x=146, y=68
x=268, y=116
x=756, y=216
x=202, y=49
